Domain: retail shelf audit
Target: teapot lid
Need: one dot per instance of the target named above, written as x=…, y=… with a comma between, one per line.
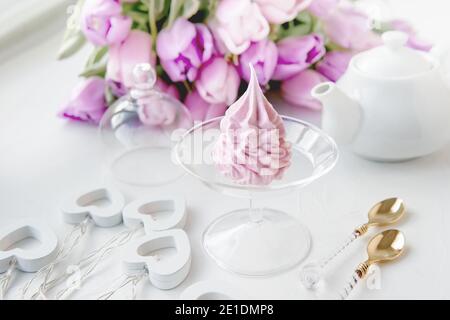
x=393, y=59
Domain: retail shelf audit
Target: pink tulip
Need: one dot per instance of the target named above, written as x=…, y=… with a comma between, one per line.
x=334, y=65
x=322, y=8
x=87, y=102
x=170, y=89
x=102, y=22
x=137, y=48
x=153, y=111
x=296, y=54
x=202, y=110
x=414, y=41
x=263, y=56
x=117, y=88
x=281, y=11
x=218, y=82
x=297, y=90
x=236, y=24
x=183, y=48
x=350, y=29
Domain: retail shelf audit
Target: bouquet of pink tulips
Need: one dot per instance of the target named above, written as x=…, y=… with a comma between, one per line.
x=202, y=49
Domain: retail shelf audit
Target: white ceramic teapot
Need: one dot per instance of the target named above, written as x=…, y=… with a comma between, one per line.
x=392, y=104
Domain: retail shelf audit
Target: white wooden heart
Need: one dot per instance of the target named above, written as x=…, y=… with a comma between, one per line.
x=28, y=260
x=163, y=273
x=141, y=212
x=76, y=208
x=208, y=290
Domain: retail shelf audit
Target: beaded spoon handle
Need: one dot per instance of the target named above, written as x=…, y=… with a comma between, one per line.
x=385, y=246
x=351, y=284
x=384, y=213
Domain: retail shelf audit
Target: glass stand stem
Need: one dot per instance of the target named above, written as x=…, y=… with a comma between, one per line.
x=255, y=214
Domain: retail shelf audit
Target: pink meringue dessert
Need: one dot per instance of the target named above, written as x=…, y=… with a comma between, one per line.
x=252, y=148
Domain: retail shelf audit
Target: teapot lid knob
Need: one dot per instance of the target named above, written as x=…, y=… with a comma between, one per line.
x=395, y=39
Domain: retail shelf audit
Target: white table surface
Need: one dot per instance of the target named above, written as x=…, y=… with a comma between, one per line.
x=42, y=158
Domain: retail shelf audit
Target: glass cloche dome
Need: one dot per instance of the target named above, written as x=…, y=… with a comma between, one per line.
x=139, y=131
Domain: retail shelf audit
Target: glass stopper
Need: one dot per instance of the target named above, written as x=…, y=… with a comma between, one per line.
x=144, y=76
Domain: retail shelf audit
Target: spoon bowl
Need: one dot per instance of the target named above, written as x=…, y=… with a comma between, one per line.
x=386, y=212
x=386, y=246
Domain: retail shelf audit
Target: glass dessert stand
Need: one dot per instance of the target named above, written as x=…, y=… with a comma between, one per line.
x=258, y=241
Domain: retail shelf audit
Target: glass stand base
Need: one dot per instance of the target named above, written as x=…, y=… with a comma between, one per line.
x=261, y=244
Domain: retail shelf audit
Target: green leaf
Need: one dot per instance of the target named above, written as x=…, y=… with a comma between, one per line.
x=207, y=4
x=302, y=25
x=98, y=69
x=97, y=56
x=139, y=17
x=159, y=70
x=72, y=43
x=96, y=63
x=160, y=7
x=175, y=6
x=73, y=39
x=212, y=5
x=183, y=8
x=190, y=8
x=109, y=96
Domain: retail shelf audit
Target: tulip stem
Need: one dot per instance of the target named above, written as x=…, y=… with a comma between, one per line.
x=152, y=20
x=187, y=86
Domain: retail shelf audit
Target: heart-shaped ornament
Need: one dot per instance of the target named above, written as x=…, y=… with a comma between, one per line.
x=164, y=273
x=82, y=205
x=208, y=290
x=147, y=211
x=27, y=260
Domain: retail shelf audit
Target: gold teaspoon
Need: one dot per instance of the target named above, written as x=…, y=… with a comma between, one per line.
x=385, y=246
x=383, y=213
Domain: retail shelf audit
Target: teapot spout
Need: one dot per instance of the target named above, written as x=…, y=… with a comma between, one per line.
x=341, y=115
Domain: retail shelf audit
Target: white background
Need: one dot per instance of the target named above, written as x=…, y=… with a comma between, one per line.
x=42, y=158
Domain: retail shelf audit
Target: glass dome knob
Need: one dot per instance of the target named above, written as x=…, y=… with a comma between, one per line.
x=144, y=76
